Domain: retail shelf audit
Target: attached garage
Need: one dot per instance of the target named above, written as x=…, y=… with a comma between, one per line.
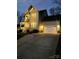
x=51, y=24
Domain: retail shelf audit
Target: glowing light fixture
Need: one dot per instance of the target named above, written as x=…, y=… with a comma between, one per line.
x=58, y=28
x=41, y=28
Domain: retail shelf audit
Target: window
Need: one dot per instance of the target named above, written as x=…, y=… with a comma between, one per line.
x=22, y=25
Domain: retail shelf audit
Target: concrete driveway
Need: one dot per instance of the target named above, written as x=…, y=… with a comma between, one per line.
x=37, y=46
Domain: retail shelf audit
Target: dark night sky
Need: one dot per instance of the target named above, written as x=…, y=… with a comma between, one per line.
x=23, y=5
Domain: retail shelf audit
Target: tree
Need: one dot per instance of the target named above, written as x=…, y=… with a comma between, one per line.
x=52, y=11
x=57, y=2
x=22, y=16
x=58, y=10
x=18, y=16
x=55, y=10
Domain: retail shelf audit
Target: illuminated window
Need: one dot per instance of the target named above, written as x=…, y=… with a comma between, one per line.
x=33, y=25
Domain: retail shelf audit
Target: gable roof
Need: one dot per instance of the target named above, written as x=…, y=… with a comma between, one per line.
x=31, y=6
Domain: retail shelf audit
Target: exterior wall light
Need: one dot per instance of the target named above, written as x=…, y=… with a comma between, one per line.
x=41, y=28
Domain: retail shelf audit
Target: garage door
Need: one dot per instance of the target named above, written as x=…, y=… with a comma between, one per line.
x=50, y=29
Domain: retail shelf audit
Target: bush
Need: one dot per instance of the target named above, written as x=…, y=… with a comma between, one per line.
x=35, y=31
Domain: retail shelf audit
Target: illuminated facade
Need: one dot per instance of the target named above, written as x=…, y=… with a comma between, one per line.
x=45, y=24
x=31, y=19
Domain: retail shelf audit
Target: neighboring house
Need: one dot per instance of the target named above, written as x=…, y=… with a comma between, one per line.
x=40, y=20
